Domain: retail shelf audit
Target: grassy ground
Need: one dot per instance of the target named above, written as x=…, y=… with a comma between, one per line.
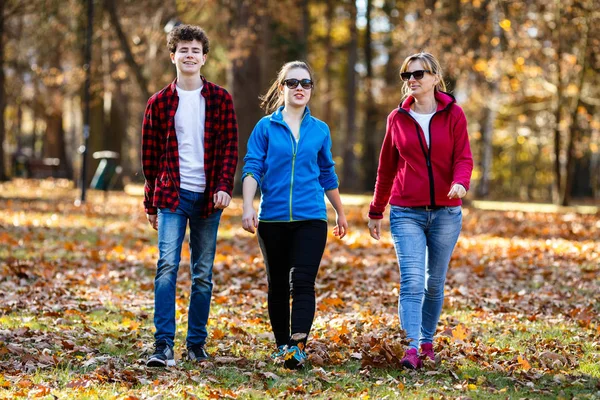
x=520, y=318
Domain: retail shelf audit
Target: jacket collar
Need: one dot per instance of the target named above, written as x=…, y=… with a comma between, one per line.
x=277, y=116
x=444, y=100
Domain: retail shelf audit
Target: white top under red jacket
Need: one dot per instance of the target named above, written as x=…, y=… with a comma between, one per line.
x=412, y=175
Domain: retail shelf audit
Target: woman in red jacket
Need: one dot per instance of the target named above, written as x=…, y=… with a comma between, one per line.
x=424, y=170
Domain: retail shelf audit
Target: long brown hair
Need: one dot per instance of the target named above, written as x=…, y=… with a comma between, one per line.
x=430, y=63
x=271, y=100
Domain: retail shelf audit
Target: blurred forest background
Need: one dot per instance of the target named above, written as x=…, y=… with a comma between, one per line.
x=526, y=73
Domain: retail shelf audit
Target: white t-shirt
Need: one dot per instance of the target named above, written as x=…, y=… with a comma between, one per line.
x=189, y=126
x=423, y=120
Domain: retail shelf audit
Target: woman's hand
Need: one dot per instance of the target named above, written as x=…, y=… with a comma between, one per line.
x=249, y=219
x=341, y=227
x=457, y=191
x=375, y=228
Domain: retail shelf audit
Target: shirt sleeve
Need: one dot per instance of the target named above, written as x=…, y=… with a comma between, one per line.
x=254, y=161
x=150, y=154
x=386, y=172
x=327, y=177
x=229, y=128
x=463, y=159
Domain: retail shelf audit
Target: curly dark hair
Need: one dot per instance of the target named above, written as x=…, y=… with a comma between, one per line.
x=187, y=33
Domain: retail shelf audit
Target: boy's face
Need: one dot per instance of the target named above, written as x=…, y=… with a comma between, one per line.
x=188, y=58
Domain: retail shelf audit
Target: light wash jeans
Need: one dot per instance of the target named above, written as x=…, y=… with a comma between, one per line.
x=424, y=241
x=203, y=242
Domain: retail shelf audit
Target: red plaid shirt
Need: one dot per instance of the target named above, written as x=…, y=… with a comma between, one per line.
x=160, y=154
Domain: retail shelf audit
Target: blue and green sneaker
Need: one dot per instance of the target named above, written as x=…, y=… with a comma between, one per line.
x=295, y=357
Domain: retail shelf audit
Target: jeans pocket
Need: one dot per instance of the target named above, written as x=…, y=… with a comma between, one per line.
x=454, y=210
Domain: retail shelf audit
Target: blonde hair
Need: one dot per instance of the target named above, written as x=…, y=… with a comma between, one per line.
x=274, y=97
x=430, y=63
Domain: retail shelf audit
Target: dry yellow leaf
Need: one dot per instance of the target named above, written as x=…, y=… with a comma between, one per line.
x=459, y=333
x=524, y=363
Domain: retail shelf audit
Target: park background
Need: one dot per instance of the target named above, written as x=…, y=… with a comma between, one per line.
x=520, y=318
x=525, y=72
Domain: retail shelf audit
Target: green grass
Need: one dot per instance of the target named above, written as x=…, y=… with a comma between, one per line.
x=80, y=280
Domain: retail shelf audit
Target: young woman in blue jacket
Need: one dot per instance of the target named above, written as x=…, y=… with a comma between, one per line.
x=289, y=157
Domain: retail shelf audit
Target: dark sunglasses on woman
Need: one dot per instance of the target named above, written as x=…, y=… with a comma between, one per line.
x=293, y=83
x=419, y=74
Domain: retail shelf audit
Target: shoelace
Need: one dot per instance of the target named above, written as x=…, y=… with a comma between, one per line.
x=296, y=352
x=281, y=350
x=160, y=347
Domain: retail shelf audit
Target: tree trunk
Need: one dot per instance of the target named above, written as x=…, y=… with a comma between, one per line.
x=245, y=71
x=490, y=113
x=573, y=129
x=3, y=176
x=305, y=12
x=595, y=162
x=351, y=179
x=326, y=95
x=111, y=7
x=559, y=102
x=487, y=131
x=54, y=139
x=371, y=128
x=393, y=49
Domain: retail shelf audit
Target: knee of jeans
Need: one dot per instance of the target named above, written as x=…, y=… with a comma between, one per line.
x=435, y=288
x=412, y=288
x=412, y=283
x=202, y=282
x=166, y=268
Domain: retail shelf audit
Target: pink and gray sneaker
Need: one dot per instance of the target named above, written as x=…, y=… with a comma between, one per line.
x=411, y=359
x=427, y=351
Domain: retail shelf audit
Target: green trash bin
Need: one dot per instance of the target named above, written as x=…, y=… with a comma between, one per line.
x=107, y=170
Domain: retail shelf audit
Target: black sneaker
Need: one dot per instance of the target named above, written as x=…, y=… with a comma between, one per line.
x=163, y=356
x=197, y=353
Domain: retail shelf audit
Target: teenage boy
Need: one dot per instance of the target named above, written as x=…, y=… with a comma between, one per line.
x=189, y=157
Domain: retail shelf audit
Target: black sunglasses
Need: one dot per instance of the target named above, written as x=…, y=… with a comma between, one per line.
x=293, y=83
x=405, y=76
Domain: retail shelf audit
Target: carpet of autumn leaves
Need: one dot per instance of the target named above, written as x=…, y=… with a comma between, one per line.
x=76, y=301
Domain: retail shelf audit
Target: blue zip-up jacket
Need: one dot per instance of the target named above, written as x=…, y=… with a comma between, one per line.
x=292, y=177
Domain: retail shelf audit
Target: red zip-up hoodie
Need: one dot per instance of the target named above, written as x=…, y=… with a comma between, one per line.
x=412, y=175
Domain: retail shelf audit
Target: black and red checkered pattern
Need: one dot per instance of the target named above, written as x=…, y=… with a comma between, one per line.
x=160, y=154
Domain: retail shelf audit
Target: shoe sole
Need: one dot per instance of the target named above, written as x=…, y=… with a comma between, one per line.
x=409, y=365
x=155, y=362
x=293, y=364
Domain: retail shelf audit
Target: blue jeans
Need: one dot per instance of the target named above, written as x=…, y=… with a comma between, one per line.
x=203, y=242
x=424, y=241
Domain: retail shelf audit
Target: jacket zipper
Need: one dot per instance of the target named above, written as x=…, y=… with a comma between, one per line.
x=426, y=153
x=294, y=151
x=428, y=161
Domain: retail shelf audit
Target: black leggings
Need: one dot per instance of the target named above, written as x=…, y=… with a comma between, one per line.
x=292, y=253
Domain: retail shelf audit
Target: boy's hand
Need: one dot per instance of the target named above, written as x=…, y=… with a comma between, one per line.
x=221, y=200
x=153, y=219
